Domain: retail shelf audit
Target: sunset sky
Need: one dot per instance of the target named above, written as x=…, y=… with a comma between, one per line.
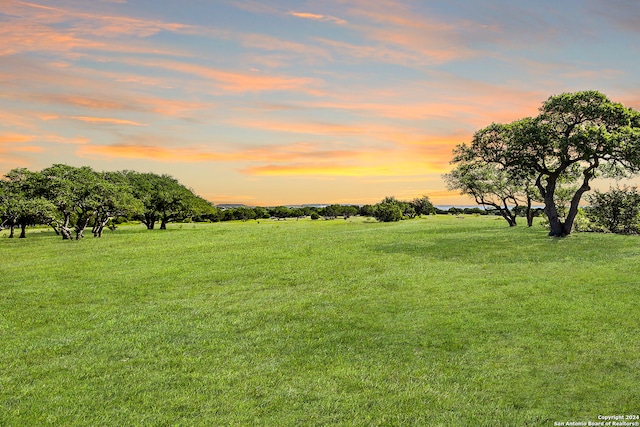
x=287, y=102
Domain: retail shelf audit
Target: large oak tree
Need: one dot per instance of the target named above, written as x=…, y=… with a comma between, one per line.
x=576, y=137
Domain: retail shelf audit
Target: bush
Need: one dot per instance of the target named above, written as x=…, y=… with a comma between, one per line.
x=617, y=211
x=389, y=210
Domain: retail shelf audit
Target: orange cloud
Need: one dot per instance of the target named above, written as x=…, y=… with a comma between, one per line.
x=13, y=143
x=203, y=154
x=15, y=138
x=93, y=102
x=88, y=23
x=377, y=131
x=392, y=168
x=32, y=27
x=106, y=120
x=168, y=107
x=28, y=149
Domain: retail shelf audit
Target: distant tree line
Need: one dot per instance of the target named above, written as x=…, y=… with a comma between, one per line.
x=389, y=209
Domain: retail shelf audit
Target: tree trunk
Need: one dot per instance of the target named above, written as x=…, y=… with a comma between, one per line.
x=555, y=225
x=575, y=201
x=529, y=212
x=55, y=228
x=504, y=211
x=98, y=226
x=65, y=231
x=11, y=228
x=163, y=225
x=80, y=226
x=149, y=221
x=23, y=230
x=511, y=220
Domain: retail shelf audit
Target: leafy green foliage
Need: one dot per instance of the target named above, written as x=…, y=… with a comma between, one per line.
x=389, y=210
x=616, y=211
x=489, y=184
x=20, y=203
x=165, y=200
x=423, y=206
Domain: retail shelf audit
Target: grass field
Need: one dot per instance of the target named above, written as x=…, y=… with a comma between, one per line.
x=432, y=322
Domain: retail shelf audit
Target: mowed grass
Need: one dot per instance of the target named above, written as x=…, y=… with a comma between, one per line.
x=432, y=322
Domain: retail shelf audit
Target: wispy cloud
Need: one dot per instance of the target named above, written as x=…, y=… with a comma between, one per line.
x=393, y=24
x=14, y=138
x=318, y=17
x=16, y=148
x=107, y=120
x=32, y=27
x=205, y=154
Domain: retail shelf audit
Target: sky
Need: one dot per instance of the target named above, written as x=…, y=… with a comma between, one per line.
x=292, y=102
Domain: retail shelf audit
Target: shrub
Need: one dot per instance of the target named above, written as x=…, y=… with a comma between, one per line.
x=389, y=210
x=617, y=211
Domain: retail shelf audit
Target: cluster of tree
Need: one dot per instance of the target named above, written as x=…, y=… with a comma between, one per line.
x=550, y=158
x=71, y=199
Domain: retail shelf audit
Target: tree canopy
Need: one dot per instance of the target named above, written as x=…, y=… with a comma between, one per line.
x=70, y=199
x=575, y=138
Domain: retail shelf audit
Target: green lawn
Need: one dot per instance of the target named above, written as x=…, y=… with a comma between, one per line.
x=432, y=322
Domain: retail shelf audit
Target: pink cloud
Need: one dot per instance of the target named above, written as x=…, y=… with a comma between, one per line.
x=232, y=81
x=318, y=17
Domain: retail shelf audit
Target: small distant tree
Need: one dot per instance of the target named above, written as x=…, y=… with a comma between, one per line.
x=617, y=211
x=331, y=211
x=243, y=213
x=389, y=209
x=367, y=211
x=349, y=211
x=261, y=213
x=423, y=206
x=280, y=212
x=455, y=210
